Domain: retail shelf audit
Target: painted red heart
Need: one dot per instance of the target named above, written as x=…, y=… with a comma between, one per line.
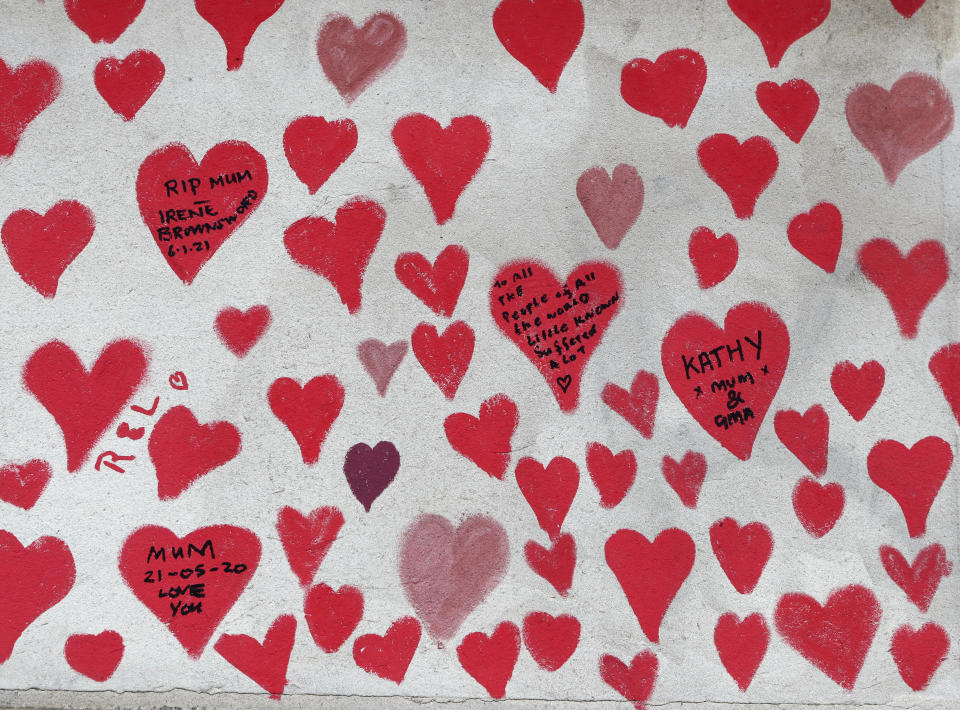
x=332, y=615
x=353, y=58
x=742, y=552
x=306, y=539
x=900, y=125
x=912, y=476
x=127, y=84
x=241, y=330
x=650, y=573
x=713, y=258
x=791, y=105
x=907, y=8
x=442, y=160
x=41, y=246
x=24, y=93
x=447, y=571
x=84, y=403
x=611, y=204
x=551, y=640
x=22, y=484
x=390, y=655
x=742, y=170
x=183, y=450
x=805, y=435
x=490, y=659
x=742, y=364
x=549, y=490
x=187, y=590
x=439, y=284
x=818, y=507
x=945, y=367
x=485, y=439
x=639, y=405
x=918, y=653
x=263, y=663
x=778, y=25
x=634, y=682
x=909, y=282
x=540, y=34
x=445, y=358
x=556, y=563
x=381, y=360
x=818, y=235
x=36, y=578
x=834, y=637
x=339, y=251
x=308, y=411
x=315, y=148
x=857, y=388
x=667, y=88
x=920, y=580
x=741, y=645
x=236, y=23
x=686, y=476
x=94, y=655
x=103, y=20
x=192, y=208
x=613, y=475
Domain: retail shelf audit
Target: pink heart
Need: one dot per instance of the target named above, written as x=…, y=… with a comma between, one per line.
x=900, y=125
x=612, y=205
x=381, y=360
x=446, y=572
x=352, y=58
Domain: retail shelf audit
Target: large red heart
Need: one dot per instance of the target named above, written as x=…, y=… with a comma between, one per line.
x=41, y=247
x=94, y=655
x=352, y=58
x=308, y=411
x=35, y=578
x=127, y=84
x=24, y=93
x=919, y=653
x=241, y=330
x=920, y=580
x=818, y=235
x=912, y=476
x=549, y=490
x=741, y=170
x=818, y=507
x=668, y=88
x=339, y=251
x=909, y=282
x=857, y=388
x=490, y=660
x=650, y=573
x=741, y=645
x=189, y=583
x=742, y=552
x=944, y=365
x=713, y=258
x=103, y=20
x=264, y=663
x=22, y=484
x=439, y=284
x=540, y=34
x=445, y=358
x=191, y=209
x=834, y=637
x=780, y=24
x=806, y=435
x=443, y=160
x=485, y=439
x=332, y=614
x=389, y=656
x=306, y=539
x=791, y=105
x=236, y=22
x=556, y=563
x=727, y=377
x=183, y=451
x=611, y=474
x=551, y=640
x=611, y=204
x=558, y=326
x=83, y=403
x=315, y=148
x=900, y=125
x=634, y=682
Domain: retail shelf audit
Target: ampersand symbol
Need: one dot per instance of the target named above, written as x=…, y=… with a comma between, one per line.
x=734, y=399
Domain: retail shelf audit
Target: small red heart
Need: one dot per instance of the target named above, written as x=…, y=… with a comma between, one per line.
x=306, y=539
x=912, y=476
x=308, y=411
x=103, y=20
x=857, y=388
x=241, y=330
x=639, y=405
x=611, y=474
x=907, y=7
x=818, y=235
x=611, y=204
x=353, y=58
x=741, y=170
x=686, y=476
x=791, y=105
x=742, y=552
x=549, y=491
x=919, y=653
x=741, y=645
x=817, y=506
x=920, y=580
x=236, y=23
x=263, y=663
x=634, y=682
x=439, y=284
x=24, y=93
x=555, y=564
x=127, y=84
x=713, y=258
x=668, y=88
x=315, y=148
x=540, y=34
x=551, y=640
x=390, y=655
x=22, y=484
x=945, y=367
x=805, y=435
x=485, y=440
x=332, y=615
x=94, y=655
x=490, y=659
x=445, y=358
x=778, y=25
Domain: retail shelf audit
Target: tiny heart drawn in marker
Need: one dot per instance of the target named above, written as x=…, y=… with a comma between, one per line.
x=551, y=640
x=306, y=539
x=353, y=58
x=485, y=440
x=920, y=580
x=315, y=148
x=613, y=475
x=945, y=367
x=805, y=435
x=818, y=235
x=555, y=564
x=791, y=105
x=742, y=170
x=611, y=204
x=778, y=25
x=686, y=476
x=540, y=34
x=634, y=682
x=236, y=23
x=857, y=388
x=370, y=470
x=308, y=411
x=439, y=284
x=668, y=88
x=381, y=360
x=24, y=93
x=549, y=490
x=713, y=258
x=127, y=84
x=103, y=20
x=241, y=330
x=918, y=653
x=490, y=660
x=22, y=484
x=742, y=552
x=263, y=663
x=390, y=655
x=94, y=655
x=741, y=645
x=818, y=507
x=332, y=615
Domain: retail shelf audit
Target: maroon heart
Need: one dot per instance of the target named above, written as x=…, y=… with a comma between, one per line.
x=370, y=471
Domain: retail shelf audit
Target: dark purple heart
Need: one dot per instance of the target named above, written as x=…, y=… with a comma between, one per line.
x=370, y=471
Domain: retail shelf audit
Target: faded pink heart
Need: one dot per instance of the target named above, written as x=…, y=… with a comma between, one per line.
x=352, y=58
x=612, y=205
x=381, y=360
